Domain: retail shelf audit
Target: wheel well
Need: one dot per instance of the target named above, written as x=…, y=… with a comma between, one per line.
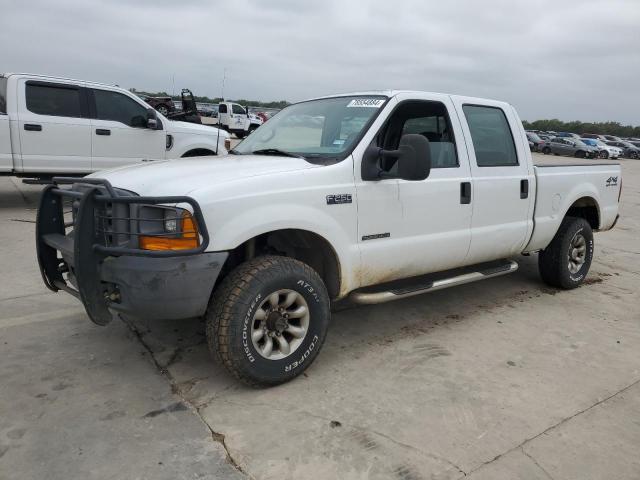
x=198, y=152
x=308, y=247
x=587, y=208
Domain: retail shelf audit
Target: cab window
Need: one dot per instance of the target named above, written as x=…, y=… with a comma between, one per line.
x=427, y=118
x=238, y=109
x=53, y=99
x=117, y=107
x=491, y=135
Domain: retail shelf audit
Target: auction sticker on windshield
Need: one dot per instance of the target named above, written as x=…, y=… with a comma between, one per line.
x=366, y=102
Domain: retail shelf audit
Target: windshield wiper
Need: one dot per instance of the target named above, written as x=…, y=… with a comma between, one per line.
x=275, y=151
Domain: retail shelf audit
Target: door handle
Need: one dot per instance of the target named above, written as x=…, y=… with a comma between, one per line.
x=103, y=131
x=32, y=127
x=524, y=188
x=465, y=192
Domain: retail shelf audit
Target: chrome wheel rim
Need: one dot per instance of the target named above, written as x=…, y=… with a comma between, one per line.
x=280, y=324
x=577, y=253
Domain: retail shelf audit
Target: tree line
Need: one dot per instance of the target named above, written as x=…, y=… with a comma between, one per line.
x=602, y=128
x=242, y=101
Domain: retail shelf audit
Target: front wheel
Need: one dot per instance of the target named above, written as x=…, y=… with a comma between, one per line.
x=566, y=261
x=240, y=134
x=268, y=319
x=634, y=155
x=604, y=154
x=546, y=150
x=163, y=109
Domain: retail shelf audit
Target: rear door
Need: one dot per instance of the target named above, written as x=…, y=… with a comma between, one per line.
x=119, y=131
x=503, y=179
x=54, y=127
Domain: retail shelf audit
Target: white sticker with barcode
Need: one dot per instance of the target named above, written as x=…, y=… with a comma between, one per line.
x=366, y=102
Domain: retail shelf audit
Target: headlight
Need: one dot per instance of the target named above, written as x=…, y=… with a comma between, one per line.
x=167, y=228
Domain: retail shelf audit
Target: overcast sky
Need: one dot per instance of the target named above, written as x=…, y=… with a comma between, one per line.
x=570, y=59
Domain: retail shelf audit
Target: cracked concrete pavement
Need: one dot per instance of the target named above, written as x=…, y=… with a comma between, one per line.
x=502, y=379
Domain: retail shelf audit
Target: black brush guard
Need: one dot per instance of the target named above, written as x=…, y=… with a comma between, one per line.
x=84, y=249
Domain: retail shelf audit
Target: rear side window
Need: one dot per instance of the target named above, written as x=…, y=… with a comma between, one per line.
x=491, y=136
x=222, y=108
x=56, y=100
x=119, y=108
x=3, y=95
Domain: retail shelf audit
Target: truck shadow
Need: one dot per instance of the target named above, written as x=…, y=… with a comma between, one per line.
x=180, y=347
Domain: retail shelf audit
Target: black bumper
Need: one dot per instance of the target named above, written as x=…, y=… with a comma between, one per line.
x=94, y=257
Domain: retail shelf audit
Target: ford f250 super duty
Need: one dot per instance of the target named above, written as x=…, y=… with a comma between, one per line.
x=371, y=196
x=51, y=126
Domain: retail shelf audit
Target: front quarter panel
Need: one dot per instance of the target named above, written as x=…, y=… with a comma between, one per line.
x=243, y=209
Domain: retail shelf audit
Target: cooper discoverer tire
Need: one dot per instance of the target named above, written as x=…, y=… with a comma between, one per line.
x=268, y=319
x=566, y=261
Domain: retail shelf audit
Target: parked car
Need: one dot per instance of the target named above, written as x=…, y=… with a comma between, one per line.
x=605, y=151
x=594, y=136
x=537, y=143
x=570, y=146
x=164, y=105
x=629, y=150
x=567, y=135
x=51, y=125
x=262, y=241
x=635, y=143
x=612, y=138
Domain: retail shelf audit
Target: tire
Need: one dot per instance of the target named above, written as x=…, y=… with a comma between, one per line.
x=546, y=150
x=240, y=134
x=560, y=264
x=163, y=110
x=233, y=317
x=633, y=155
x=604, y=154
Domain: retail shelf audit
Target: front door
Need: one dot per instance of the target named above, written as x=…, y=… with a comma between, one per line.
x=119, y=131
x=408, y=228
x=503, y=179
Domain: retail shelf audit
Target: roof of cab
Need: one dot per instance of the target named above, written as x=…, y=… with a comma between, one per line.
x=393, y=93
x=54, y=77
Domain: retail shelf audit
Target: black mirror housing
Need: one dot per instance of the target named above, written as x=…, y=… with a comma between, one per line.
x=414, y=162
x=413, y=156
x=152, y=119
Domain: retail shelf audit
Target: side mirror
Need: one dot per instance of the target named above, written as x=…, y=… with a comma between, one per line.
x=413, y=157
x=152, y=119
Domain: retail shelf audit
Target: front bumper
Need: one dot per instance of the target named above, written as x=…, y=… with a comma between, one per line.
x=97, y=261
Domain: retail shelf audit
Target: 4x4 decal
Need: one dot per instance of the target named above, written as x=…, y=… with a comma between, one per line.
x=612, y=181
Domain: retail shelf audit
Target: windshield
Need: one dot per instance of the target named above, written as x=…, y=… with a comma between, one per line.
x=589, y=141
x=324, y=128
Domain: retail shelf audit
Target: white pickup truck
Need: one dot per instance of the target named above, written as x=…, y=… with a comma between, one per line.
x=51, y=125
x=368, y=196
x=234, y=118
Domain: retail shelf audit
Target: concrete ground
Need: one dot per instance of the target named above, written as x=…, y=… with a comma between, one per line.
x=502, y=379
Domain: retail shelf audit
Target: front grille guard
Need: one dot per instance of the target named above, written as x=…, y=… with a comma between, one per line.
x=84, y=249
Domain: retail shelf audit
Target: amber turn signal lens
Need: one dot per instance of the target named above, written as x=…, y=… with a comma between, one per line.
x=187, y=240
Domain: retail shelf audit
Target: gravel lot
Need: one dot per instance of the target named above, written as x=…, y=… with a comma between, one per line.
x=502, y=379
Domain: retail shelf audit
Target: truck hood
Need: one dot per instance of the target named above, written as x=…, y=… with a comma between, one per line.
x=175, y=127
x=184, y=175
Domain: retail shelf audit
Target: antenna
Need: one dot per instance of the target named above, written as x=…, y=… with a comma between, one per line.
x=224, y=77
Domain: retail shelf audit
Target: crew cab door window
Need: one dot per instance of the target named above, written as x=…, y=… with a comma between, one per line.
x=222, y=108
x=491, y=135
x=119, y=108
x=3, y=95
x=55, y=100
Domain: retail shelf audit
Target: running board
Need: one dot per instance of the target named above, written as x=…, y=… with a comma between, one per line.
x=429, y=283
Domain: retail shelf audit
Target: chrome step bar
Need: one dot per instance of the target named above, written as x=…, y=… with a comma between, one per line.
x=369, y=297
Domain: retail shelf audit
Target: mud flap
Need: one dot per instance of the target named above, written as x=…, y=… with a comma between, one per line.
x=87, y=261
x=49, y=220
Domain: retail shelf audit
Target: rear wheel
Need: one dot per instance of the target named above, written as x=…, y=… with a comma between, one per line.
x=604, y=154
x=634, y=155
x=268, y=319
x=566, y=261
x=546, y=150
x=240, y=134
x=163, y=110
